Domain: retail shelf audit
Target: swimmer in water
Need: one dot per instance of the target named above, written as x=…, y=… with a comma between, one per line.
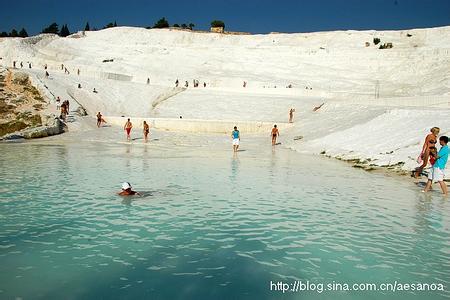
x=127, y=191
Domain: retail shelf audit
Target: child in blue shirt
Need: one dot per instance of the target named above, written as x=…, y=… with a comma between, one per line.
x=437, y=172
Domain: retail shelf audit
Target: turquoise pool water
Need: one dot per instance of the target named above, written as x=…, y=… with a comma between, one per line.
x=210, y=225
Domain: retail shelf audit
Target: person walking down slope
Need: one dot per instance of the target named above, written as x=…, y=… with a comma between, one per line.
x=275, y=134
x=127, y=127
x=236, y=136
x=146, y=131
x=58, y=103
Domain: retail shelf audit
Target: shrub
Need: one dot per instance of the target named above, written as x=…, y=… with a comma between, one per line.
x=52, y=28
x=162, y=23
x=376, y=41
x=218, y=23
x=109, y=25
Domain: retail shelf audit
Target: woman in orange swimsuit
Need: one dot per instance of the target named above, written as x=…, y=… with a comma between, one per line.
x=430, y=141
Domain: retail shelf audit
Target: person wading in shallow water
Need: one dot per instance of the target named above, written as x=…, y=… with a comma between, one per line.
x=236, y=136
x=146, y=131
x=437, y=172
x=275, y=134
x=127, y=127
x=99, y=119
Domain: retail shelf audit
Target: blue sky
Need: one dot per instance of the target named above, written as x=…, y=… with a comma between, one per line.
x=239, y=15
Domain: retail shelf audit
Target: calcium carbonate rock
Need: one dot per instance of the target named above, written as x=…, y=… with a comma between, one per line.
x=57, y=127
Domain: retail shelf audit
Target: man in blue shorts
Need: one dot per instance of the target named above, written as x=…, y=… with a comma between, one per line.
x=437, y=173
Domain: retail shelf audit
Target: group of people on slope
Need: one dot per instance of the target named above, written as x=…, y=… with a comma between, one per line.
x=63, y=108
x=437, y=159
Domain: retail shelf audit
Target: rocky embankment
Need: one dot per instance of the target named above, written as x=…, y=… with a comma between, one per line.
x=23, y=109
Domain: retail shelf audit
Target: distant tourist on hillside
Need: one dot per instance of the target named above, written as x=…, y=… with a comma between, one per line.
x=291, y=115
x=146, y=131
x=45, y=67
x=186, y=84
x=204, y=84
x=79, y=85
x=244, y=84
x=46, y=74
x=127, y=127
x=430, y=141
x=127, y=191
x=21, y=64
x=64, y=111
x=275, y=133
x=78, y=72
x=14, y=64
x=236, y=136
x=62, y=67
x=148, y=80
x=95, y=91
x=29, y=65
x=318, y=107
x=437, y=172
x=58, y=103
x=176, y=83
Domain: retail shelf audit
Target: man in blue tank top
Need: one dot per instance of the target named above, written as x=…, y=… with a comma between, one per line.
x=236, y=139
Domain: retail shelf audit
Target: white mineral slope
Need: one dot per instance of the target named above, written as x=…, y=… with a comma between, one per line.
x=411, y=82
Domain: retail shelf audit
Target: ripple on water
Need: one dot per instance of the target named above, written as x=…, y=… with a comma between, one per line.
x=207, y=223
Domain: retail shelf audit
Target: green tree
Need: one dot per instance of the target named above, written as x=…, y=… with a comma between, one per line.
x=23, y=33
x=175, y=25
x=52, y=28
x=4, y=34
x=87, y=27
x=184, y=26
x=191, y=26
x=64, y=31
x=115, y=24
x=218, y=23
x=14, y=33
x=162, y=23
